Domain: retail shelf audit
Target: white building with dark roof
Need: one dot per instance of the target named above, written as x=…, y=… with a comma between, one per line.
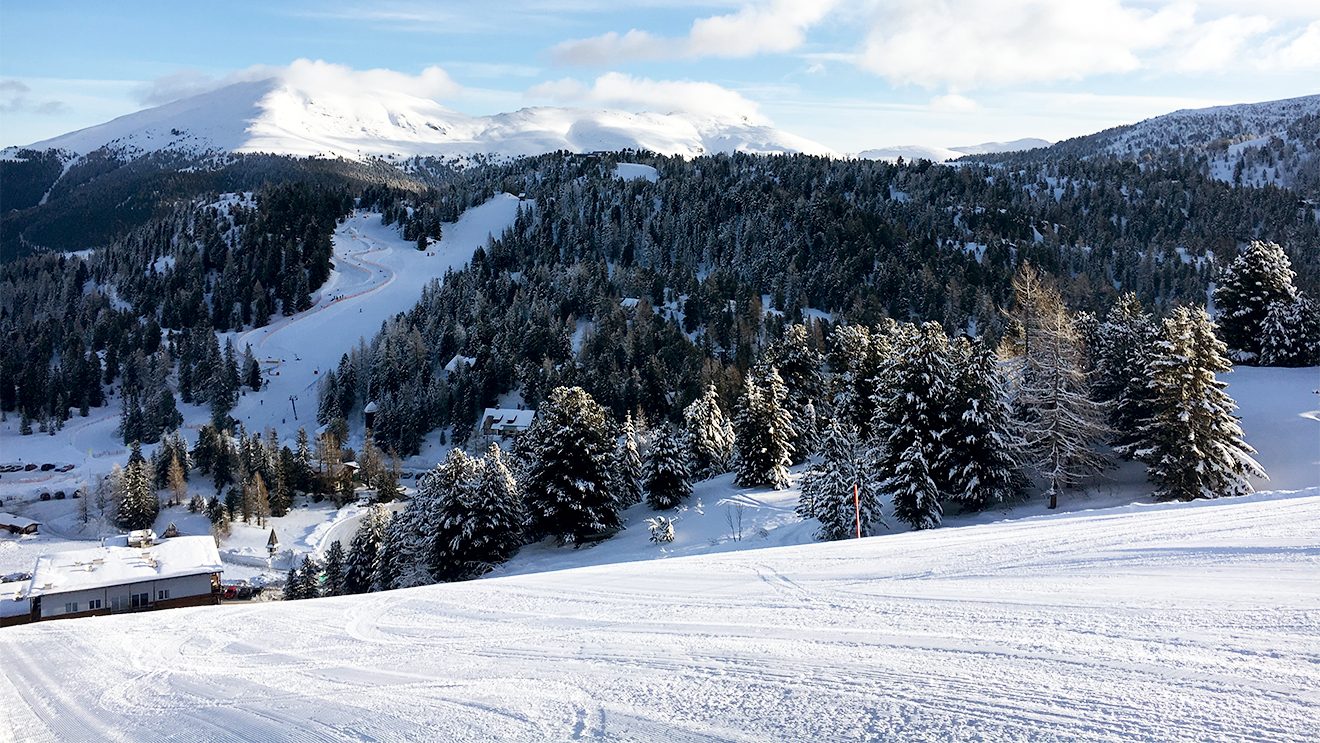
x=114, y=578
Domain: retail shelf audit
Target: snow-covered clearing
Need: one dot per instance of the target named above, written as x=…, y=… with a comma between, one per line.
x=1150, y=622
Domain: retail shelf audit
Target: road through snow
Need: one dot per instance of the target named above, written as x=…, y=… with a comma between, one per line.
x=1151, y=622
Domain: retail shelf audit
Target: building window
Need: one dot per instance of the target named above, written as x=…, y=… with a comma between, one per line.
x=118, y=603
x=70, y=607
x=93, y=604
x=141, y=600
x=162, y=595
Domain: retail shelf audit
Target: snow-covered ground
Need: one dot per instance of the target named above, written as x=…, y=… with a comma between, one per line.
x=1145, y=622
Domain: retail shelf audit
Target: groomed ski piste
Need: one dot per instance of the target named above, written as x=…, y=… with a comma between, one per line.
x=1144, y=622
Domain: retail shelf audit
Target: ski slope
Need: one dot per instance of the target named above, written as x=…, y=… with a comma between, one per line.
x=1146, y=622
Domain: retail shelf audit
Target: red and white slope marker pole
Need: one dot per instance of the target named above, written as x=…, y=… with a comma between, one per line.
x=857, y=509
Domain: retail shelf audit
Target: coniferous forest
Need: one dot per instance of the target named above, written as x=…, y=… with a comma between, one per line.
x=950, y=337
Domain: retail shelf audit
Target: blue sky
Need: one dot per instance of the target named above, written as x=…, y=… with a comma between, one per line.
x=850, y=74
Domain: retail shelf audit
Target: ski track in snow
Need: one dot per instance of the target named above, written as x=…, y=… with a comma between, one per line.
x=1147, y=622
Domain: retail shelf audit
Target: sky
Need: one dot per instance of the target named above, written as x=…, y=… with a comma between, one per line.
x=850, y=74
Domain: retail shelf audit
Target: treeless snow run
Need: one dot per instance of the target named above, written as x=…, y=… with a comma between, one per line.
x=1149, y=622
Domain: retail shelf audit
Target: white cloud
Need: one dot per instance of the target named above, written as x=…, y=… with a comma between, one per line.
x=306, y=74
x=1218, y=44
x=967, y=44
x=616, y=90
x=1300, y=53
x=773, y=26
x=952, y=103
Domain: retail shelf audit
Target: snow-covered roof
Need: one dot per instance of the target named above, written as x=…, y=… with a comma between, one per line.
x=371, y=407
x=20, y=522
x=459, y=359
x=14, y=600
x=118, y=564
x=508, y=418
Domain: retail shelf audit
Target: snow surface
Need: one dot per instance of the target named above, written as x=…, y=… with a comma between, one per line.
x=634, y=171
x=1168, y=622
x=309, y=116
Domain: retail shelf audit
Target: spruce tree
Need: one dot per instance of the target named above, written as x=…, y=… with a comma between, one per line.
x=666, y=470
x=334, y=570
x=1261, y=275
x=138, y=505
x=567, y=474
x=841, y=490
x=490, y=526
x=364, y=552
x=709, y=435
x=1290, y=333
x=798, y=366
x=983, y=448
x=912, y=424
x=1196, y=448
x=627, y=473
x=1125, y=348
x=763, y=432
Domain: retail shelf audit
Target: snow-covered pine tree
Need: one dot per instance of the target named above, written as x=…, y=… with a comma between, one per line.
x=364, y=551
x=855, y=357
x=911, y=425
x=449, y=503
x=763, y=432
x=828, y=486
x=1125, y=348
x=1262, y=274
x=310, y=579
x=293, y=582
x=1064, y=426
x=627, y=470
x=1195, y=448
x=569, y=451
x=334, y=570
x=709, y=435
x=798, y=366
x=1290, y=333
x=490, y=528
x=666, y=470
x=983, y=448
x=139, y=505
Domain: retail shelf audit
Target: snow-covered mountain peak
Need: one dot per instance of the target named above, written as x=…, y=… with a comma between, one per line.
x=296, y=111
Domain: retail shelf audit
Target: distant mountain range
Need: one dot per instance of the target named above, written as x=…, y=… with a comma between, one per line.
x=944, y=154
x=286, y=116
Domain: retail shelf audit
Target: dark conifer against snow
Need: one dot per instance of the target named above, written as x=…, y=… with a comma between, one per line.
x=335, y=570
x=911, y=425
x=666, y=471
x=798, y=366
x=1125, y=349
x=1261, y=275
x=763, y=431
x=138, y=505
x=485, y=519
x=1195, y=447
x=1290, y=333
x=842, y=485
x=983, y=447
x=708, y=434
x=627, y=472
x=569, y=451
x=364, y=552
